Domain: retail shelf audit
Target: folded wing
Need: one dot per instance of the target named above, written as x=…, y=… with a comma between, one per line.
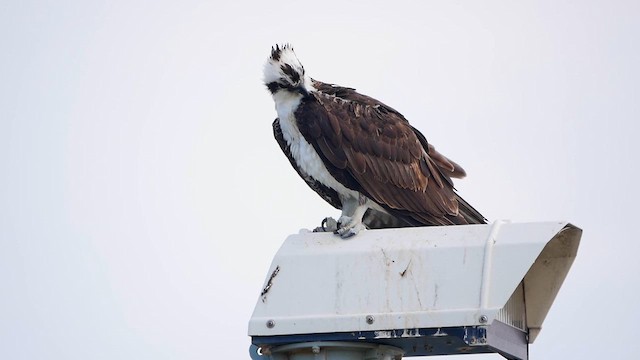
x=390, y=161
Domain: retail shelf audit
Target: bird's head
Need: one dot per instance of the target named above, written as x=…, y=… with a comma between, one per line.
x=284, y=72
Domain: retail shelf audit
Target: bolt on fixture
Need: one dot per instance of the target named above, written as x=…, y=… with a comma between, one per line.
x=271, y=324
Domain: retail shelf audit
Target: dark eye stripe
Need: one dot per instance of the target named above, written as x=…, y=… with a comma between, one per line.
x=274, y=86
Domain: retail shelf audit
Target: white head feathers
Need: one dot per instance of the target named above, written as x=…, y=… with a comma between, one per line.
x=283, y=70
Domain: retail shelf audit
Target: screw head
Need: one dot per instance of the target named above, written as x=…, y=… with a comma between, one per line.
x=484, y=319
x=271, y=324
x=370, y=319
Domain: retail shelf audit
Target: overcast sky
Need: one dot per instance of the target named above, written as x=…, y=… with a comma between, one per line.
x=142, y=196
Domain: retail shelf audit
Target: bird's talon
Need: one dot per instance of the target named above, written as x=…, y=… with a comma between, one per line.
x=347, y=234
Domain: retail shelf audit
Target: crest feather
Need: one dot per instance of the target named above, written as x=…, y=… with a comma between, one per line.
x=277, y=51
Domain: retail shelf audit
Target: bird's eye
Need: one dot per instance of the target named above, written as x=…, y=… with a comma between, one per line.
x=274, y=86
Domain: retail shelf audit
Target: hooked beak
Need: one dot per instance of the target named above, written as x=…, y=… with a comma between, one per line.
x=303, y=91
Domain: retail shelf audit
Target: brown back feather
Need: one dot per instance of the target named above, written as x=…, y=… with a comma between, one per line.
x=390, y=161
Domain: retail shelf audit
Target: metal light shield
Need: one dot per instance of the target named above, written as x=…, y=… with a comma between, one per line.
x=429, y=290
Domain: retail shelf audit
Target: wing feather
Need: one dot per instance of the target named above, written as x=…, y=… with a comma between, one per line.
x=357, y=161
x=390, y=161
x=333, y=153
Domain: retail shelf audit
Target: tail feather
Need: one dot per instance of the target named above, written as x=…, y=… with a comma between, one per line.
x=470, y=214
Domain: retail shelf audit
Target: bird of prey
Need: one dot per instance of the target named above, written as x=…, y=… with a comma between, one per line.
x=360, y=155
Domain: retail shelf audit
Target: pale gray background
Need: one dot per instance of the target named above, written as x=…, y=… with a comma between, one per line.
x=142, y=196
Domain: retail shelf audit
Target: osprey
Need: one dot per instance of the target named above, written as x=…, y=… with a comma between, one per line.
x=360, y=155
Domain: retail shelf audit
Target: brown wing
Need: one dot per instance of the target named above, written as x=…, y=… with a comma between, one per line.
x=385, y=156
x=373, y=219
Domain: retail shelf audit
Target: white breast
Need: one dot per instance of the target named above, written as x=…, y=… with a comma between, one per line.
x=305, y=155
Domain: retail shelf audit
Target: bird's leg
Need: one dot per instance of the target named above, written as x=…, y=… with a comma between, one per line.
x=350, y=222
